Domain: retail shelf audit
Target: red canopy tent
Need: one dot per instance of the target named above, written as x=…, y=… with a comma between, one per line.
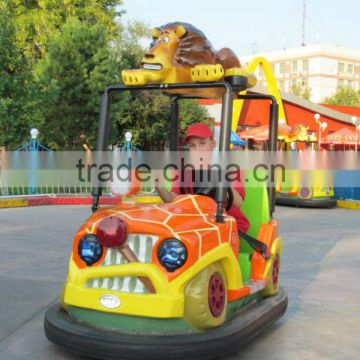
x=343, y=136
x=261, y=133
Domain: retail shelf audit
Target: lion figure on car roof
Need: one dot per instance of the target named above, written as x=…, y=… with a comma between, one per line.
x=180, y=53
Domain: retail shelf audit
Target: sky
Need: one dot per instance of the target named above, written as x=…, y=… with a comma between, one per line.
x=248, y=27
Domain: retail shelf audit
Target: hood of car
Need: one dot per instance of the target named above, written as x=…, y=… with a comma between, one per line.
x=185, y=213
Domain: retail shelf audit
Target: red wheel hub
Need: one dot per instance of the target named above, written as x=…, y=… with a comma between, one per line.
x=275, y=270
x=216, y=295
x=305, y=192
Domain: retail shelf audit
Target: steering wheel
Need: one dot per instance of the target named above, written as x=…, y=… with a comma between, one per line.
x=211, y=191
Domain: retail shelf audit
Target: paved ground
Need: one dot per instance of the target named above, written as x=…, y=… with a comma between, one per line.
x=321, y=262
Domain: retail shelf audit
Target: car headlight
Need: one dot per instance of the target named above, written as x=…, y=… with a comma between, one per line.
x=90, y=250
x=172, y=254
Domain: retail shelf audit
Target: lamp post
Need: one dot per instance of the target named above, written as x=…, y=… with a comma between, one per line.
x=34, y=133
x=317, y=120
x=322, y=126
x=357, y=127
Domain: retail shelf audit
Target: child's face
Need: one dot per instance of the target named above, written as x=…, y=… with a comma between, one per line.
x=200, y=144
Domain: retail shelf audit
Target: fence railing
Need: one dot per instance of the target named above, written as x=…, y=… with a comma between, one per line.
x=49, y=190
x=61, y=190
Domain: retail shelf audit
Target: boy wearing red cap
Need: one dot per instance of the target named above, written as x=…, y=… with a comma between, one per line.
x=199, y=137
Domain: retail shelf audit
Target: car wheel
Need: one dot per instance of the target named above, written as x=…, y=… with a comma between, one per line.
x=206, y=298
x=305, y=193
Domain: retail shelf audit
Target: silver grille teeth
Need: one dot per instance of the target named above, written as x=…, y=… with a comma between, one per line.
x=141, y=245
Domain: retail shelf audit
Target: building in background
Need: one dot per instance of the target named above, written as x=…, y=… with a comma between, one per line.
x=297, y=111
x=319, y=69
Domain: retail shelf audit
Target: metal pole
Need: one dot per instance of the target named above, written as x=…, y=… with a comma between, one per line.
x=303, y=23
x=33, y=144
x=174, y=125
x=103, y=130
x=356, y=137
x=226, y=117
x=224, y=145
x=101, y=145
x=274, y=118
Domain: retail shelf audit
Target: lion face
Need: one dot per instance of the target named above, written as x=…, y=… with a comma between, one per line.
x=159, y=59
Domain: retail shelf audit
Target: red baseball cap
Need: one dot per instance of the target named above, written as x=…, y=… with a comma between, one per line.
x=198, y=130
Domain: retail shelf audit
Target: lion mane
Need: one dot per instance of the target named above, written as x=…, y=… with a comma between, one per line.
x=194, y=49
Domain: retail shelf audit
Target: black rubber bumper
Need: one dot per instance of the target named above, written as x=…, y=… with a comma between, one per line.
x=313, y=202
x=106, y=344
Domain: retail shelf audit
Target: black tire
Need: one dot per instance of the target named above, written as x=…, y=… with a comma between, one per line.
x=313, y=203
x=212, y=344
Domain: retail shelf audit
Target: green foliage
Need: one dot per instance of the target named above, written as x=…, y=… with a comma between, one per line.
x=128, y=45
x=344, y=96
x=301, y=91
x=27, y=27
x=191, y=112
x=147, y=116
x=56, y=58
x=37, y=21
x=19, y=103
x=77, y=67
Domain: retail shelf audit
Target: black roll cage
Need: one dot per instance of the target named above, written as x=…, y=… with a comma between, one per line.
x=225, y=131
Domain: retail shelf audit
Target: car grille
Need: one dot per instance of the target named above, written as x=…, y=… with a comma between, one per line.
x=141, y=245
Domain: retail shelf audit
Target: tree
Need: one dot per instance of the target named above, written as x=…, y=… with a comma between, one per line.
x=128, y=44
x=19, y=100
x=74, y=49
x=147, y=116
x=301, y=91
x=27, y=27
x=76, y=68
x=344, y=96
x=37, y=21
x=191, y=112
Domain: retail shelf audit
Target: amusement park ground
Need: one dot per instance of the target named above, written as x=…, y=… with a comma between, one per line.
x=320, y=266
